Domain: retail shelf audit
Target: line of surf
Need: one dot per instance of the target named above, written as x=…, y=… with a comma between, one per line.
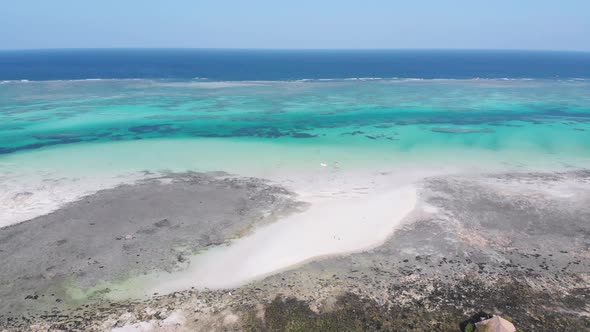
x=298, y=80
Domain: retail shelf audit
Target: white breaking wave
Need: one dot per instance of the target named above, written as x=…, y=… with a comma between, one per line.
x=204, y=80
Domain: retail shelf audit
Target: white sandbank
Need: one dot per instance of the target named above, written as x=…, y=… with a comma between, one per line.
x=328, y=227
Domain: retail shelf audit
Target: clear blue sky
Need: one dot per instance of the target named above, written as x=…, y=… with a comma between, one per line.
x=495, y=24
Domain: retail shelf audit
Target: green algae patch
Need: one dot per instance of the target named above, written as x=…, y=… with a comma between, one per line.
x=128, y=288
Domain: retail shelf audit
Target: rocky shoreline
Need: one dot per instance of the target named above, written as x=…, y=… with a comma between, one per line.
x=515, y=244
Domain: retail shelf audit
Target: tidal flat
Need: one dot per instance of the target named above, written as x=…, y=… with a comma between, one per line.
x=514, y=244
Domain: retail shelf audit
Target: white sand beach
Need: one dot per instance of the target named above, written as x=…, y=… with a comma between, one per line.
x=328, y=227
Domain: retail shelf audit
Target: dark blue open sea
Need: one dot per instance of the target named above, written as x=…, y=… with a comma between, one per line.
x=236, y=65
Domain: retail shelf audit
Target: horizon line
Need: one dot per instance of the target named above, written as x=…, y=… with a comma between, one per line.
x=292, y=49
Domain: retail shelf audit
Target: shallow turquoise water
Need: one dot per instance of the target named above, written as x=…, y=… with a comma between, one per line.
x=549, y=118
x=62, y=140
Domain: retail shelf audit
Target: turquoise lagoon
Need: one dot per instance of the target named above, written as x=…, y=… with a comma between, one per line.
x=401, y=117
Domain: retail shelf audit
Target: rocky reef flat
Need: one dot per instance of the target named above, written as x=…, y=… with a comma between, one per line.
x=514, y=244
x=57, y=261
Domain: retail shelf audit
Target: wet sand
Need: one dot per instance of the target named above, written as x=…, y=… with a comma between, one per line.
x=515, y=244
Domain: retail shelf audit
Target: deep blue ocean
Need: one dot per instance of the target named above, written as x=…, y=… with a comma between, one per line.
x=236, y=65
